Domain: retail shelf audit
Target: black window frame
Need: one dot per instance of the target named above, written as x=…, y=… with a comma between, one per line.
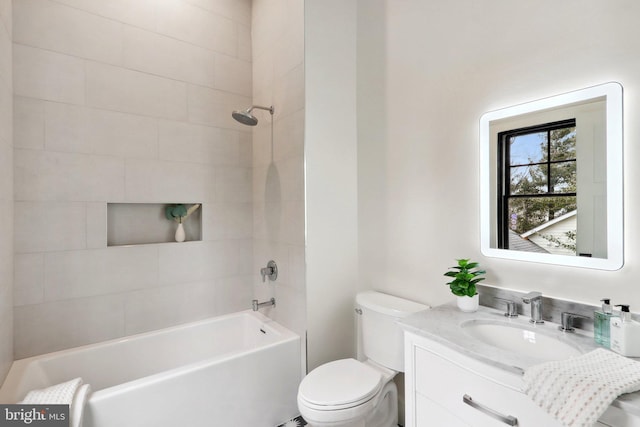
x=504, y=177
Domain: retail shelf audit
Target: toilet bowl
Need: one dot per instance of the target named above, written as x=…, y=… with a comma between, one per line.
x=349, y=393
x=353, y=393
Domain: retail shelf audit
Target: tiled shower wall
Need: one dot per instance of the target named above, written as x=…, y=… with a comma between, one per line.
x=6, y=190
x=278, y=162
x=125, y=101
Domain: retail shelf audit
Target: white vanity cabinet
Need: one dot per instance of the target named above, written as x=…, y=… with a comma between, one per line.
x=446, y=388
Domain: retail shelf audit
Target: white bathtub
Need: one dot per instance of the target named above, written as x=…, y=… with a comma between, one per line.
x=241, y=369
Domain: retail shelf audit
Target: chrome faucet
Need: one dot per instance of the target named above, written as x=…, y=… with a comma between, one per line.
x=512, y=308
x=566, y=321
x=256, y=305
x=535, y=299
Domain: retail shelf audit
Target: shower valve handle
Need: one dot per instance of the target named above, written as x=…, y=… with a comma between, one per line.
x=270, y=271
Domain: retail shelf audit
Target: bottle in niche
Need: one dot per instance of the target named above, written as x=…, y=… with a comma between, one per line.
x=602, y=324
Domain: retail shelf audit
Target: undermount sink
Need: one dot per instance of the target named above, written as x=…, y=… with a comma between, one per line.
x=519, y=338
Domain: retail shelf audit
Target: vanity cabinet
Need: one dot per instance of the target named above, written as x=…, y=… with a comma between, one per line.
x=447, y=388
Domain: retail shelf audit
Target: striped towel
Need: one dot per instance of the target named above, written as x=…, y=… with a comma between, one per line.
x=578, y=390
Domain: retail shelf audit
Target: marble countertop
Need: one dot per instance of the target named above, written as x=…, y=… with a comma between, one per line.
x=442, y=324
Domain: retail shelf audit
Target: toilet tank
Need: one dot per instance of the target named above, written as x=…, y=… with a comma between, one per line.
x=381, y=337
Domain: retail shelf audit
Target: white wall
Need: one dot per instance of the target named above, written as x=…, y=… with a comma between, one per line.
x=433, y=69
x=124, y=101
x=278, y=163
x=330, y=178
x=6, y=189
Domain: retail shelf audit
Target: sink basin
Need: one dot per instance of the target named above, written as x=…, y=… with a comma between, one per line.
x=521, y=339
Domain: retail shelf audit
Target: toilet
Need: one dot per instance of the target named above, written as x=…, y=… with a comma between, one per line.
x=353, y=393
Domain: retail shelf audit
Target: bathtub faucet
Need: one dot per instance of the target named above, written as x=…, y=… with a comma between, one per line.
x=256, y=305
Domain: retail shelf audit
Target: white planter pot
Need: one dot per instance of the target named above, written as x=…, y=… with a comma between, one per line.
x=468, y=304
x=180, y=234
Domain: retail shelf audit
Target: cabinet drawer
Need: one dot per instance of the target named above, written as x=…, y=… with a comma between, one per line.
x=446, y=383
x=431, y=414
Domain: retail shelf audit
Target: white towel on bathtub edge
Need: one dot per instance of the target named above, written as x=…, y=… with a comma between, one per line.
x=578, y=390
x=62, y=393
x=73, y=393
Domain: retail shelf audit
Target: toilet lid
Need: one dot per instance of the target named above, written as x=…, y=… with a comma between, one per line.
x=345, y=382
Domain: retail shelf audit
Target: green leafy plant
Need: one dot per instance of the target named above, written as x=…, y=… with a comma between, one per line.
x=465, y=278
x=179, y=212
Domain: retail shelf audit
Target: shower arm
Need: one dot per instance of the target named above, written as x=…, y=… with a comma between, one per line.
x=269, y=109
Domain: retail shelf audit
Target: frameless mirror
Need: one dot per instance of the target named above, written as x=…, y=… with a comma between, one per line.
x=551, y=180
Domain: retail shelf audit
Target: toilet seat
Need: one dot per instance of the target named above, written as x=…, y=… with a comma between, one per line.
x=340, y=384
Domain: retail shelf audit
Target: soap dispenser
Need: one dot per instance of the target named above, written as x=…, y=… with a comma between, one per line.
x=625, y=333
x=601, y=324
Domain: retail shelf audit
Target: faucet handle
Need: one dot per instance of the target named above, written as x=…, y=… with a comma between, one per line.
x=512, y=308
x=531, y=296
x=566, y=321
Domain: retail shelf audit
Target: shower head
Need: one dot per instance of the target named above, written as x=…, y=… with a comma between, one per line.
x=246, y=118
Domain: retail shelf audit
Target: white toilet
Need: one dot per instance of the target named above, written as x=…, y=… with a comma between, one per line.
x=350, y=393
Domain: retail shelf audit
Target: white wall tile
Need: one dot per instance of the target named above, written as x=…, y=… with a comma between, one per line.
x=28, y=122
x=6, y=166
x=49, y=226
x=244, y=43
x=195, y=25
x=288, y=138
x=6, y=192
x=233, y=184
x=6, y=15
x=168, y=57
x=6, y=113
x=140, y=13
x=48, y=75
x=47, y=327
x=28, y=279
x=233, y=294
x=236, y=10
x=289, y=92
x=66, y=128
x=118, y=89
x=53, y=26
x=169, y=305
x=169, y=182
x=76, y=274
x=182, y=263
x=214, y=107
x=41, y=175
x=96, y=225
x=6, y=55
x=227, y=221
x=121, y=134
x=232, y=75
x=187, y=142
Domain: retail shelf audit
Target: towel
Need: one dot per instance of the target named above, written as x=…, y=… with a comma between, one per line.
x=73, y=393
x=578, y=390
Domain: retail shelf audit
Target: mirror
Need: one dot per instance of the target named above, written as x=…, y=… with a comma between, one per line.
x=551, y=180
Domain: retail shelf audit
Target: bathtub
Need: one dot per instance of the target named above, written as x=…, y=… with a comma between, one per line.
x=241, y=369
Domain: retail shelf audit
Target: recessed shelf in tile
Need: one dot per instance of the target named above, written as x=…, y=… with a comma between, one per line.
x=145, y=223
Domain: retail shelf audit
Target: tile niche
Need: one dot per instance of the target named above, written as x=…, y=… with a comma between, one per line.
x=145, y=223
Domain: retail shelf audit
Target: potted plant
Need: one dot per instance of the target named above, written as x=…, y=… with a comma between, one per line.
x=465, y=277
x=179, y=213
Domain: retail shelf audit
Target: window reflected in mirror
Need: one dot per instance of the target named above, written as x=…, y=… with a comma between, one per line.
x=537, y=203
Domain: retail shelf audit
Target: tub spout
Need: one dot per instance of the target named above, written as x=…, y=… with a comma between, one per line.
x=256, y=305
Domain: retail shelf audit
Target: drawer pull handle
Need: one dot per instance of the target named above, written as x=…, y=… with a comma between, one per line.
x=507, y=419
